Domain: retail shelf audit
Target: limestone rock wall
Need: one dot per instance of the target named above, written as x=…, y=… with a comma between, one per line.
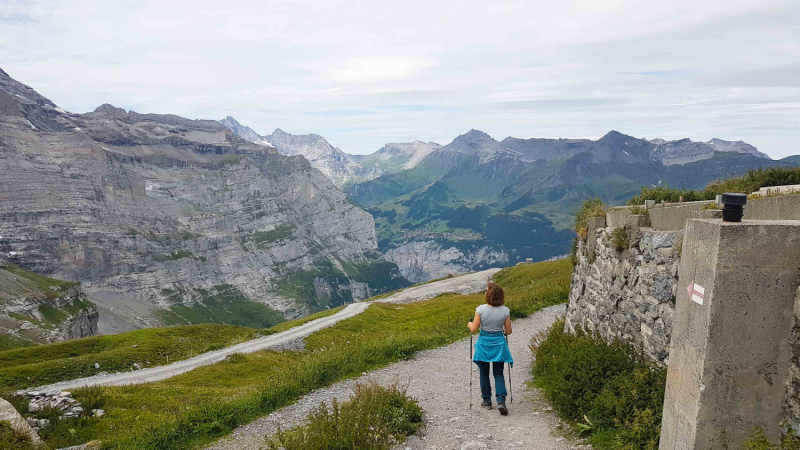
x=630, y=294
x=421, y=261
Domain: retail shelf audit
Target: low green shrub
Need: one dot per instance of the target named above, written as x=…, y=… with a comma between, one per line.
x=608, y=390
x=639, y=210
x=754, y=180
x=668, y=195
x=759, y=441
x=712, y=205
x=375, y=417
x=12, y=439
x=620, y=239
x=590, y=208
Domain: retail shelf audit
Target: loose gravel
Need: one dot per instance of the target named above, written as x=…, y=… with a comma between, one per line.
x=439, y=379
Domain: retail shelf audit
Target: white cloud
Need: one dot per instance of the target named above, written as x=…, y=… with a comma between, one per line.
x=503, y=7
x=365, y=73
x=373, y=69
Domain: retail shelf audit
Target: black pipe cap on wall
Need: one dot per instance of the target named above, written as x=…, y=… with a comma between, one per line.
x=732, y=207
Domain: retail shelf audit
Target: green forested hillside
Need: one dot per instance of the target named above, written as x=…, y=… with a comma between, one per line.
x=519, y=196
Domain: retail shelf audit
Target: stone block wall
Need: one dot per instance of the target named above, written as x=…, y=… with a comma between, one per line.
x=630, y=294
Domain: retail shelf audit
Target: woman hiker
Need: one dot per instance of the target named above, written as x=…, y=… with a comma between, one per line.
x=494, y=321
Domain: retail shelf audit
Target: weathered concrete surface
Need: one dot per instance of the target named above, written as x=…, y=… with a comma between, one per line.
x=786, y=207
x=730, y=355
x=615, y=217
x=674, y=217
x=10, y=415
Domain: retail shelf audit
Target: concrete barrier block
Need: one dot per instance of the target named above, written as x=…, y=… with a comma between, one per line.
x=786, y=207
x=674, y=217
x=710, y=214
x=730, y=352
x=615, y=217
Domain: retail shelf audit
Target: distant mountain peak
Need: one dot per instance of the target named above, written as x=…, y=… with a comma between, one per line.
x=615, y=135
x=244, y=132
x=476, y=134
x=3, y=72
x=111, y=109
x=335, y=164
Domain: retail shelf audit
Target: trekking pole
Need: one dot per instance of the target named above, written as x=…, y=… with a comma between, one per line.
x=510, y=382
x=470, y=370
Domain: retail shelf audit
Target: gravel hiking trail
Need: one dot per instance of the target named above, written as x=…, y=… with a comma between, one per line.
x=464, y=284
x=439, y=379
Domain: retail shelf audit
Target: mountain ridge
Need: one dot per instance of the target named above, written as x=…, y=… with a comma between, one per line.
x=465, y=204
x=168, y=220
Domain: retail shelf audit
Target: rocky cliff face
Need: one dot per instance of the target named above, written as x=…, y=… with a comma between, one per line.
x=171, y=220
x=335, y=164
x=393, y=158
x=421, y=261
x=685, y=151
x=244, y=132
x=35, y=309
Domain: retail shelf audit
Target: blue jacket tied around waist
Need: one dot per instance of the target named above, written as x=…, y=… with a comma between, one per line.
x=492, y=347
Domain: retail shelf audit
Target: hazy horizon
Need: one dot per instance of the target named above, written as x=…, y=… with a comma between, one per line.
x=362, y=74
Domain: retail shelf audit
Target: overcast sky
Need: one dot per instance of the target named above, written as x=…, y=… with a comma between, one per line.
x=365, y=73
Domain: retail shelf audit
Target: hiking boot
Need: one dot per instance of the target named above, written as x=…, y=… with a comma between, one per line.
x=501, y=406
x=487, y=404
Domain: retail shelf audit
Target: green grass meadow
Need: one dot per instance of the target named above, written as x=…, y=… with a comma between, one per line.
x=200, y=406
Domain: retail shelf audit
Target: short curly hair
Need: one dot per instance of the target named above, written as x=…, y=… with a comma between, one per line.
x=495, y=295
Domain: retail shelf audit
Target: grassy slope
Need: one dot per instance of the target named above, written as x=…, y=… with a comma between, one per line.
x=35, y=366
x=11, y=342
x=28, y=367
x=199, y=406
x=305, y=319
x=47, y=287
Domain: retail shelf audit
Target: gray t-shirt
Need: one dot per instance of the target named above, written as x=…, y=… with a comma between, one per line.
x=493, y=318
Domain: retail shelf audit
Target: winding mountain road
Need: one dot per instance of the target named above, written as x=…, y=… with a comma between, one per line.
x=464, y=284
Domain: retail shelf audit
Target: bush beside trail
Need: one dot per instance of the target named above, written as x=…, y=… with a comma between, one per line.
x=608, y=391
x=375, y=418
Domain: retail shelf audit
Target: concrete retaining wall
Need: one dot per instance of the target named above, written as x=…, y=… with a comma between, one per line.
x=785, y=207
x=674, y=216
x=631, y=294
x=615, y=217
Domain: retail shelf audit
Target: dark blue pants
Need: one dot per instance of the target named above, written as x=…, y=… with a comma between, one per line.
x=499, y=381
